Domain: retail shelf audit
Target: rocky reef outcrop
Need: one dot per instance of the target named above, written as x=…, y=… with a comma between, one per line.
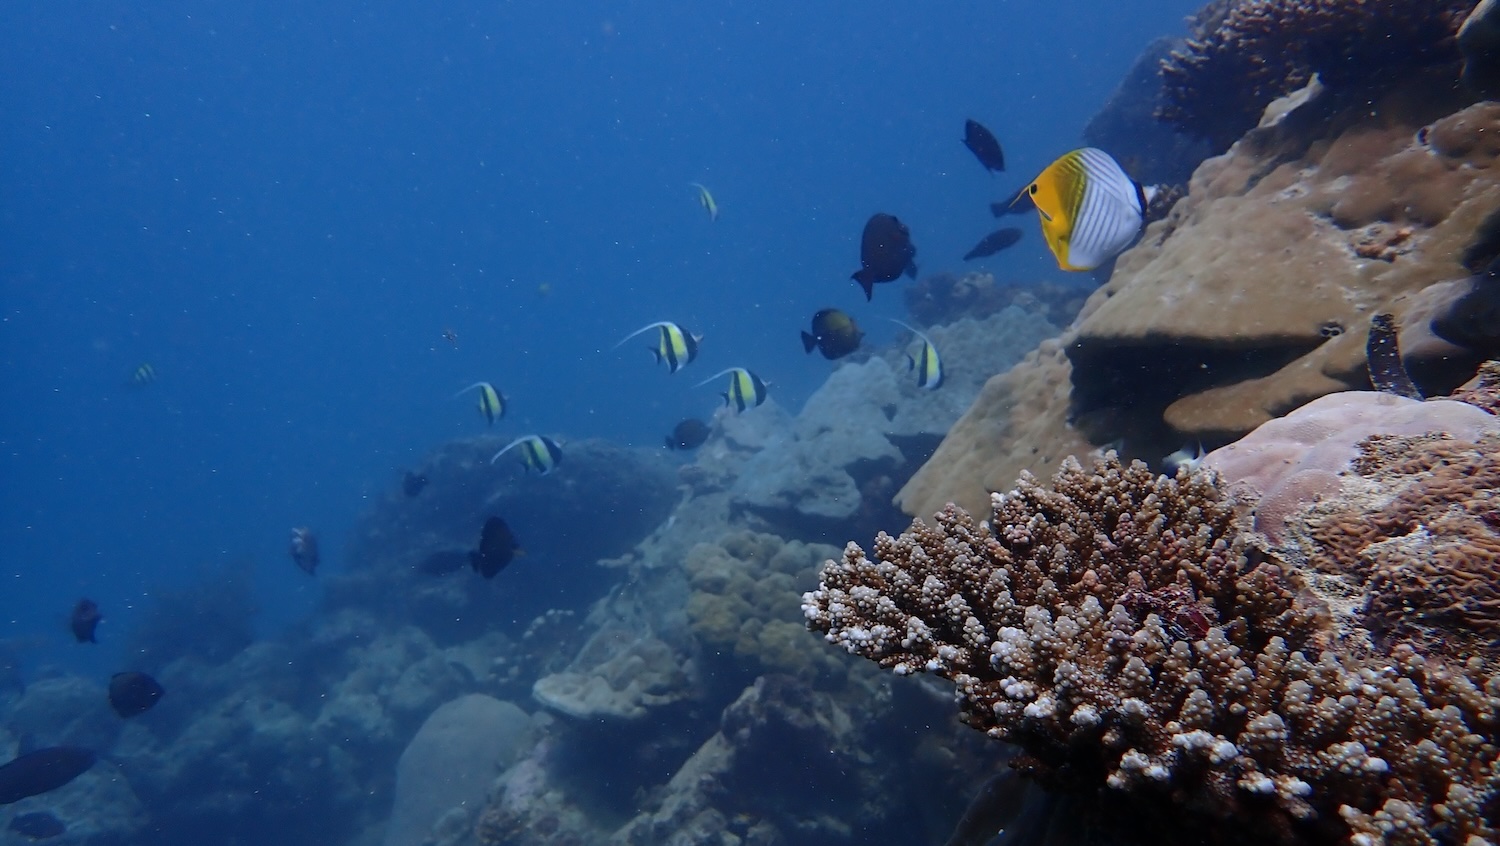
x=1255, y=294
x=409, y=555
x=862, y=434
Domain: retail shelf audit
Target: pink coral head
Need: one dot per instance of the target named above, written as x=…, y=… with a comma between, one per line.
x=1292, y=460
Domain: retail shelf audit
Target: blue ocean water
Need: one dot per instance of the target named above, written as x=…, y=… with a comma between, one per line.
x=283, y=206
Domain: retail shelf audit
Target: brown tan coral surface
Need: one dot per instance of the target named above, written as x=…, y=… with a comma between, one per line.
x=1124, y=631
x=1251, y=298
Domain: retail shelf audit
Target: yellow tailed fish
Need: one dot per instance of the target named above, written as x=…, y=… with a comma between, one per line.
x=746, y=390
x=706, y=200
x=1090, y=209
x=678, y=348
x=143, y=375
x=926, y=364
x=538, y=452
x=491, y=401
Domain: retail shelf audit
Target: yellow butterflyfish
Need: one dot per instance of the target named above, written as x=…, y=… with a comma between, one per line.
x=1089, y=208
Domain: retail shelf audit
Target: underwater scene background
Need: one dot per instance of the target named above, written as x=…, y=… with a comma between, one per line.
x=335, y=509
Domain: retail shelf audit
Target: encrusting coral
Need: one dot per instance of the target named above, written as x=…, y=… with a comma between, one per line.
x=1258, y=50
x=1130, y=635
x=1417, y=525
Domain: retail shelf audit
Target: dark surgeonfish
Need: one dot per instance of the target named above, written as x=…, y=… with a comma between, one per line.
x=674, y=345
x=1383, y=354
x=37, y=825
x=983, y=144
x=413, y=483
x=746, y=390
x=885, y=252
x=133, y=694
x=993, y=243
x=43, y=770
x=834, y=334
x=689, y=434
x=443, y=562
x=538, y=452
x=304, y=550
x=85, y=620
x=497, y=548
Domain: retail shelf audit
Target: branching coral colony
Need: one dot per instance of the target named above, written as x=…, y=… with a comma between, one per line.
x=1131, y=638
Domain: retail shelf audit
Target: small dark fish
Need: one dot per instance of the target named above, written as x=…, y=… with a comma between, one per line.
x=1383, y=354
x=451, y=337
x=304, y=550
x=834, y=334
x=413, y=483
x=983, y=144
x=37, y=825
x=133, y=694
x=43, y=770
x=443, y=562
x=85, y=619
x=1020, y=205
x=993, y=243
x=885, y=252
x=497, y=547
x=689, y=434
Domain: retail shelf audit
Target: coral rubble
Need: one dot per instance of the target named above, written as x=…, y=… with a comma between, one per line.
x=1130, y=634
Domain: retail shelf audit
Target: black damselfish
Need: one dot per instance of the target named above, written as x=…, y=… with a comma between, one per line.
x=412, y=484
x=994, y=242
x=689, y=434
x=45, y=769
x=85, y=620
x=37, y=825
x=983, y=144
x=497, y=548
x=133, y=694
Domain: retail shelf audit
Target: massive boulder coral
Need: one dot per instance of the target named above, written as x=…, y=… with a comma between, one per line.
x=1128, y=633
x=1247, y=53
x=1288, y=462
